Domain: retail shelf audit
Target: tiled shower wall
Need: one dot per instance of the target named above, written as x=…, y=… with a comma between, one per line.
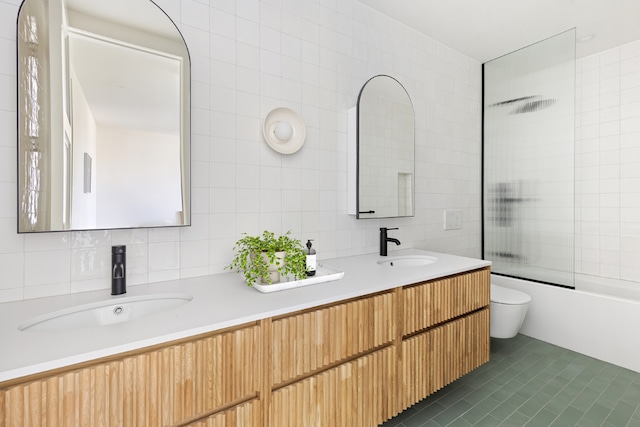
x=608, y=164
x=249, y=56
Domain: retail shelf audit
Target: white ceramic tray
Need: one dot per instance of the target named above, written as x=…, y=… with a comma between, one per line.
x=324, y=273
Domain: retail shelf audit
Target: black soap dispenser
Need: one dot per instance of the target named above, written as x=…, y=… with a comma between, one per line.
x=311, y=259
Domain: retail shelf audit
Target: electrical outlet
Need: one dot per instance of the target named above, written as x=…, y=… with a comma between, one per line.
x=453, y=219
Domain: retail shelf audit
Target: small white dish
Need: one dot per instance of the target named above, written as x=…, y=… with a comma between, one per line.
x=324, y=273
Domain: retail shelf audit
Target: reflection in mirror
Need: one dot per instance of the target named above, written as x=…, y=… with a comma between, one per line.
x=103, y=116
x=385, y=138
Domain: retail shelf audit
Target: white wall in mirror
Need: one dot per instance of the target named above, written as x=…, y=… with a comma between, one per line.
x=119, y=153
x=136, y=134
x=121, y=65
x=83, y=204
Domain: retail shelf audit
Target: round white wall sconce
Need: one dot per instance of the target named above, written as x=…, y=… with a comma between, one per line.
x=284, y=130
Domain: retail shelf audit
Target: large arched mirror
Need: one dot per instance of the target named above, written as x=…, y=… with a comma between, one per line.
x=385, y=150
x=103, y=116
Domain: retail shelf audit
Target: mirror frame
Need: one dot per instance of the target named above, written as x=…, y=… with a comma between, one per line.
x=359, y=214
x=183, y=217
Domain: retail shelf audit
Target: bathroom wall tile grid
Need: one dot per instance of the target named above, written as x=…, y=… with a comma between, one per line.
x=249, y=57
x=608, y=163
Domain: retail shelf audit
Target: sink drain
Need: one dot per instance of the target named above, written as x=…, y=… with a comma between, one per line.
x=118, y=310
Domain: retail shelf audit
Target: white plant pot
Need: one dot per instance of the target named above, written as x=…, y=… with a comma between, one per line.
x=274, y=274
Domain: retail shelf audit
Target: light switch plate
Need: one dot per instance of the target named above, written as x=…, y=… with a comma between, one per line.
x=453, y=219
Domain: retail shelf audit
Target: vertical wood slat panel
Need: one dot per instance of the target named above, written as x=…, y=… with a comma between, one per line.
x=443, y=354
x=245, y=415
x=437, y=301
x=160, y=387
x=357, y=393
x=330, y=334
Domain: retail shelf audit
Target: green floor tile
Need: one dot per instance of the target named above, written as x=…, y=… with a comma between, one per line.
x=430, y=411
x=623, y=380
x=459, y=422
x=456, y=395
x=569, y=417
x=532, y=387
x=635, y=419
x=552, y=388
x=632, y=394
x=535, y=404
x=417, y=420
x=481, y=410
x=425, y=403
x=559, y=402
x=452, y=412
x=600, y=382
x=479, y=394
x=543, y=418
x=488, y=421
x=621, y=414
x=508, y=407
x=585, y=399
x=609, y=399
x=398, y=419
x=502, y=394
x=595, y=416
x=516, y=419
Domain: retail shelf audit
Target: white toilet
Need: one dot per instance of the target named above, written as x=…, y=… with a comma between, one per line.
x=508, y=309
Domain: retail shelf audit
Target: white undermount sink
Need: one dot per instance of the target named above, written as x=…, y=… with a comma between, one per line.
x=408, y=261
x=106, y=312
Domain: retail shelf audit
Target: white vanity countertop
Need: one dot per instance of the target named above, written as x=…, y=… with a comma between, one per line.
x=219, y=301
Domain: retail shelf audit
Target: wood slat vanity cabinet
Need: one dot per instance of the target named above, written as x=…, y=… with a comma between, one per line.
x=445, y=332
x=167, y=385
x=336, y=365
x=376, y=356
x=351, y=363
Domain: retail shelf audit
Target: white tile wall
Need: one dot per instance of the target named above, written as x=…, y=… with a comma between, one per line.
x=608, y=164
x=248, y=57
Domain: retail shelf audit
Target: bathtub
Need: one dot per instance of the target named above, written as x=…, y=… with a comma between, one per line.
x=601, y=326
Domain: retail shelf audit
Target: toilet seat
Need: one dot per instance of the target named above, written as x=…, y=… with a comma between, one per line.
x=508, y=296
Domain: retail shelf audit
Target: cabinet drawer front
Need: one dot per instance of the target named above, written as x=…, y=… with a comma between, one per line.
x=309, y=341
x=435, y=302
x=160, y=387
x=443, y=354
x=358, y=393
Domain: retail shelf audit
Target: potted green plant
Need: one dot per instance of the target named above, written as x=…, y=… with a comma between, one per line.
x=265, y=258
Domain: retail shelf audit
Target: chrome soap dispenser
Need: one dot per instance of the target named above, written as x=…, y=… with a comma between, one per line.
x=118, y=270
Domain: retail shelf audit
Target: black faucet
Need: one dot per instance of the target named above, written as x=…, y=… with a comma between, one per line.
x=118, y=270
x=384, y=239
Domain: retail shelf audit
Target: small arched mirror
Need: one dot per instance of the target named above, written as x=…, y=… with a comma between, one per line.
x=103, y=116
x=385, y=150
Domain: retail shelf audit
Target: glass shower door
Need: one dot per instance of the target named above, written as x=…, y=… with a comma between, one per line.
x=528, y=161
